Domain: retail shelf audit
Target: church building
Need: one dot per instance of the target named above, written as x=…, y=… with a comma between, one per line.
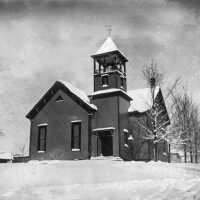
x=67, y=124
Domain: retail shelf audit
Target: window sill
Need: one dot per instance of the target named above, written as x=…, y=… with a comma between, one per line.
x=44, y=124
x=41, y=151
x=75, y=149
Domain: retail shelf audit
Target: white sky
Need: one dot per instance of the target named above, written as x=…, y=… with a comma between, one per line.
x=44, y=41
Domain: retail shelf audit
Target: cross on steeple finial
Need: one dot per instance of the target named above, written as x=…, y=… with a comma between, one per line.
x=109, y=29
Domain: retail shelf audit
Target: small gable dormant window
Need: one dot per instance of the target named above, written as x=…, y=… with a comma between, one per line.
x=76, y=135
x=59, y=99
x=104, y=80
x=42, y=134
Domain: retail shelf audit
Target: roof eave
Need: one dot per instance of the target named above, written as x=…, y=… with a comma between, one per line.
x=111, y=93
x=110, y=52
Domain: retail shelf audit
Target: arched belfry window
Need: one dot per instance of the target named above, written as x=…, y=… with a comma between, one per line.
x=122, y=82
x=104, y=80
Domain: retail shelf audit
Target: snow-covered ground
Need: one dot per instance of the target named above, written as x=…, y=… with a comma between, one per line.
x=99, y=179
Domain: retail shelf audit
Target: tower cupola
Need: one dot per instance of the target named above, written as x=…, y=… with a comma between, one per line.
x=109, y=66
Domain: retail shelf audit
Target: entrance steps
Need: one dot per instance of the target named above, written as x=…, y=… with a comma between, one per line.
x=107, y=158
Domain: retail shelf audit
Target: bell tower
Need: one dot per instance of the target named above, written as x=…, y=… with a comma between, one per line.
x=110, y=122
x=109, y=67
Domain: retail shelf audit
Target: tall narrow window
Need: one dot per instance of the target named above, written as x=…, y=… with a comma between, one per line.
x=76, y=136
x=42, y=134
x=122, y=82
x=104, y=80
x=125, y=136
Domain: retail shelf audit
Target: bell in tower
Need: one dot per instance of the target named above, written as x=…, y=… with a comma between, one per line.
x=109, y=67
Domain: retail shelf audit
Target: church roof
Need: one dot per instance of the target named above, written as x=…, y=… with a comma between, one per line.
x=108, y=46
x=142, y=99
x=76, y=94
x=79, y=93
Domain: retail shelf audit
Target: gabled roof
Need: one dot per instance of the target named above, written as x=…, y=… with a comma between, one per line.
x=79, y=93
x=107, y=47
x=142, y=99
x=79, y=96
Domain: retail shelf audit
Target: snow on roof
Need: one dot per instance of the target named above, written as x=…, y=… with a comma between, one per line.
x=110, y=90
x=6, y=155
x=107, y=46
x=78, y=93
x=142, y=100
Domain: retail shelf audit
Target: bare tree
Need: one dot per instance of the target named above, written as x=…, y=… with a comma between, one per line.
x=152, y=74
x=196, y=133
x=185, y=123
x=155, y=129
x=193, y=135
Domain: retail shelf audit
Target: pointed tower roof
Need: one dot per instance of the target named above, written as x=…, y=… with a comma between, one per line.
x=108, y=46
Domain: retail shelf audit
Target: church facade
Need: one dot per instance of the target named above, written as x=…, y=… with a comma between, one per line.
x=67, y=124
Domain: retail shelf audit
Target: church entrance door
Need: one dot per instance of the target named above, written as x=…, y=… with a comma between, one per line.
x=106, y=142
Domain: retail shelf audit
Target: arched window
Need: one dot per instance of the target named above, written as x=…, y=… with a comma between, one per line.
x=104, y=80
